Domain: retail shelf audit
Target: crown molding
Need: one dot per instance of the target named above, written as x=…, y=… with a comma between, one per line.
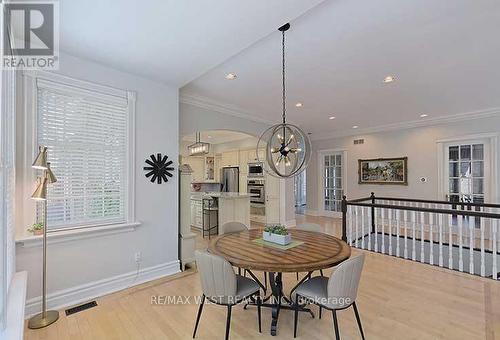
x=210, y=104
x=473, y=115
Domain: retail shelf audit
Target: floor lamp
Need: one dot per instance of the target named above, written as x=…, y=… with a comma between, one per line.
x=46, y=317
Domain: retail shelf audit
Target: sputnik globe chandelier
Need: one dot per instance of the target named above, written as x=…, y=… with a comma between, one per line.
x=288, y=148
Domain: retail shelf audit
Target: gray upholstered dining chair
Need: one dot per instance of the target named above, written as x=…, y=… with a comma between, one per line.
x=236, y=227
x=220, y=285
x=309, y=227
x=335, y=293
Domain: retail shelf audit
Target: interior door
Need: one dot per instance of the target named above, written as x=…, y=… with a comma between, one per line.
x=332, y=183
x=467, y=174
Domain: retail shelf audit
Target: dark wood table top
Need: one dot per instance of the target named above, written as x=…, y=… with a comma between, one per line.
x=319, y=251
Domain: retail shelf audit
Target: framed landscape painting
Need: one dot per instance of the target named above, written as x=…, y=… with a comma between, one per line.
x=383, y=171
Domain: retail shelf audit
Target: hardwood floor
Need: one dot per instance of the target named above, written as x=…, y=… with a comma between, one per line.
x=398, y=299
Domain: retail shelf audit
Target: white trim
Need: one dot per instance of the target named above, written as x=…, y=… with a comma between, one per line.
x=16, y=301
x=210, y=104
x=62, y=236
x=473, y=115
x=26, y=208
x=92, y=290
x=311, y=212
x=492, y=139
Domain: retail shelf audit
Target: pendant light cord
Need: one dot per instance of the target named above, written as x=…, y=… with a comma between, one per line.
x=283, y=75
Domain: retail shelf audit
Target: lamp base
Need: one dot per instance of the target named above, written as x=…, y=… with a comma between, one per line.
x=38, y=321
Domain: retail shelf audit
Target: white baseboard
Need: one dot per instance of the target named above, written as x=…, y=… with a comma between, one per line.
x=88, y=291
x=312, y=212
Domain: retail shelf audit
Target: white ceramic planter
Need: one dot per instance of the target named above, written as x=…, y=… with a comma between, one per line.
x=278, y=239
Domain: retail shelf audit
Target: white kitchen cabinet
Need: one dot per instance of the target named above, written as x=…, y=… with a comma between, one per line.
x=272, y=199
x=217, y=166
x=244, y=161
x=196, y=213
x=243, y=183
x=230, y=158
x=255, y=156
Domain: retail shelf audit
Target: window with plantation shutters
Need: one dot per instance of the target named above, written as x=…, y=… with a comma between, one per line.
x=86, y=132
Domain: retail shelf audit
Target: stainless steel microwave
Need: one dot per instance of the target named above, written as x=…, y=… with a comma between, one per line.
x=255, y=170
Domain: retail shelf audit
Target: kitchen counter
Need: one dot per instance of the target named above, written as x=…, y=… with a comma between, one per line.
x=232, y=206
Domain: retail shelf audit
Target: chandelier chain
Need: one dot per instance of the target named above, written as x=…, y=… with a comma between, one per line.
x=283, y=76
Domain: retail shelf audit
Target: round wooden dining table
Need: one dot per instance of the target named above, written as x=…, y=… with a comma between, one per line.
x=314, y=251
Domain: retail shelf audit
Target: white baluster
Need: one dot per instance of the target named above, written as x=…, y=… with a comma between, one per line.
x=483, y=268
x=382, y=221
x=398, y=227
x=369, y=231
x=460, y=243
x=405, y=220
x=494, y=248
x=390, y=213
x=422, y=236
x=472, y=224
x=375, y=222
x=450, y=242
x=356, y=235
x=440, y=222
x=363, y=228
x=413, y=234
x=431, y=236
x=349, y=225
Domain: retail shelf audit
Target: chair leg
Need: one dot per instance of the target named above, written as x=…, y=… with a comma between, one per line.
x=265, y=280
x=259, y=303
x=297, y=276
x=321, y=272
x=359, y=320
x=239, y=271
x=296, y=316
x=336, y=324
x=320, y=310
x=228, y=321
x=199, y=315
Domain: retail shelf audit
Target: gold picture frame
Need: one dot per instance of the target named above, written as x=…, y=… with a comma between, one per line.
x=392, y=171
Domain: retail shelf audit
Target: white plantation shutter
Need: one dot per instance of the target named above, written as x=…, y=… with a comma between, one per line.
x=86, y=135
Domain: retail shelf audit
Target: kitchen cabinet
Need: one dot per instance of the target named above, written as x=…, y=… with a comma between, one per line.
x=244, y=161
x=217, y=166
x=230, y=159
x=272, y=199
x=196, y=213
x=243, y=183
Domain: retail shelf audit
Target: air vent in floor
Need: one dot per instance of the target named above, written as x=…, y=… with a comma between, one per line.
x=77, y=309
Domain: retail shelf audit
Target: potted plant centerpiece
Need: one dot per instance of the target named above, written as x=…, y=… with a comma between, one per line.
x=277, y=234
x=36, y=229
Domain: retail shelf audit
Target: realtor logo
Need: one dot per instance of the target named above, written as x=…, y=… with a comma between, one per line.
x=30, y=35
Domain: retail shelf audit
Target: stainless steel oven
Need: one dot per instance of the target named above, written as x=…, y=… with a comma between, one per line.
x=257, y=188
x=255, y=170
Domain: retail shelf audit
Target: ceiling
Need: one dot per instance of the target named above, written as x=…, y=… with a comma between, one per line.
x=444, y=55
x=218, y=136
x=172, y=41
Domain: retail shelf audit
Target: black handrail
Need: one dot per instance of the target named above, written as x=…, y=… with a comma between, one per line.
x=373, y=204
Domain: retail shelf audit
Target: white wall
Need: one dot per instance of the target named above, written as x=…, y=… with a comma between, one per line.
x=74, y=266
x=419, y=144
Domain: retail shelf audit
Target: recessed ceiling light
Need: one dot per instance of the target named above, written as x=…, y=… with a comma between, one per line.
x=230, y=76
x=423, y=115
x=332, y=117
x=355, y=127
x=389, y=79
x=299, y=104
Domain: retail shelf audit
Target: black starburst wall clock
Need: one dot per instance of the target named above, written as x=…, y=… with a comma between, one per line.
x=159, y=168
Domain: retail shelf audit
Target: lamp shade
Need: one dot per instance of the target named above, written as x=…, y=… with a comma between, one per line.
x=41, y=159
x=51, y=178
x=40, y=193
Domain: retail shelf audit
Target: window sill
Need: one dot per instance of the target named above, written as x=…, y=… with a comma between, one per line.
x=76, y=234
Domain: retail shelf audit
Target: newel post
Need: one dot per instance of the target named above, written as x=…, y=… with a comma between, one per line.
x=372, y=196
x=344, y=218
